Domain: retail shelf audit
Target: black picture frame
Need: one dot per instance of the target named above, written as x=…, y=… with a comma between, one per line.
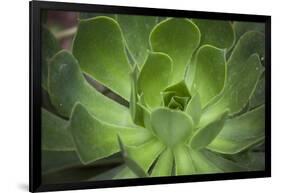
x=36, y=8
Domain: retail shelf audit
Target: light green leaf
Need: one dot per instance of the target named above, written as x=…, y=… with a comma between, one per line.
x=178, y=38
x=68, y=86
x=164, y=164
x=55, y=135
x=151, y=85
x=171, y=127
x=217, y=33
x=244, y=70
x=95, y=139
x=130, y=162
x=205, y=135
x=134, y=110
x=143, y=155
x=136, y=30
x=240, y=132
x=100, y=51
x=50, y=47
x=140, y=114
x=210, y=73
x=194, y=109
x=183, y=161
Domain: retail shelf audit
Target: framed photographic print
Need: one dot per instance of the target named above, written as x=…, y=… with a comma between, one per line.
x=124, y=96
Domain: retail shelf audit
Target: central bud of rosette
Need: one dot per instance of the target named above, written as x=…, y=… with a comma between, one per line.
x=176, y=96
x=169, y=123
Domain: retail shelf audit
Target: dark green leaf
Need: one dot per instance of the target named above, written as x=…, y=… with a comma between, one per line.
x=240, y=132
x=55, y=135
x=50, y=47
x=258, y=98
x=241, y=27
x=57, y=160
x=217, y=33
x=136, y=30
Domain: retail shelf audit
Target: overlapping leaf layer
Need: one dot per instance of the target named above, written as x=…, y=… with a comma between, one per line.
x=195, y=90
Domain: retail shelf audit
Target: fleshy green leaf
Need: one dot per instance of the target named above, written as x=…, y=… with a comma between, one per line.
x=68, y=86
x=251, y=160
x=244, y=70
x=178, y=38
x=240, y=132
x=250, y=43
x=222, y=163
x=171, y=127
x=75, y=173
x=164, y=164
x=135, y=112
x=205, y=135
x=55, y=135
x=125, y=173
x=143, y=155
x=57, y=160
x=241, y=27
x=100, y=51
x=201, y=164
x=217, y=33
x=151, y=85
x=50, y=47
x=136, y=30
x=194, y=109
x=258, y=98
x=95, y=139
x=183, y=161
x=140, y=114
x=119, y=172
x=210, y=72
x=130, y=162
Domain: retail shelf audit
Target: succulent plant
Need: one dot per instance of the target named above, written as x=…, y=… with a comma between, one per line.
x=192, y=91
